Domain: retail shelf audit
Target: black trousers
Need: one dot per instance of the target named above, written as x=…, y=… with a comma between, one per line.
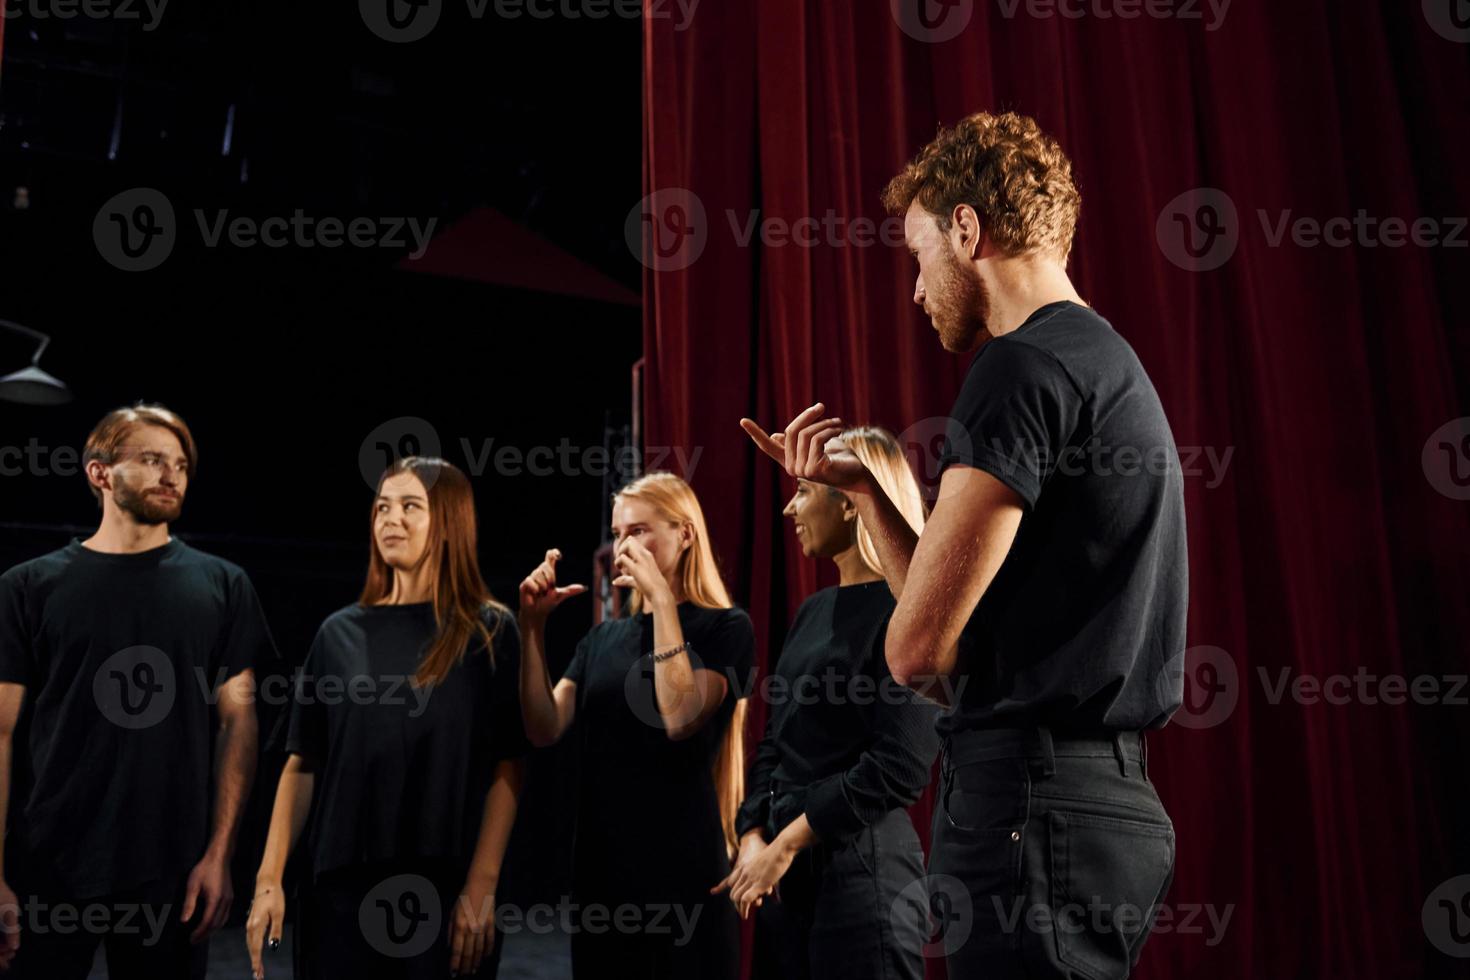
x=1050, y=854
x=383, y=920
x=835, y=914
x=139, y=930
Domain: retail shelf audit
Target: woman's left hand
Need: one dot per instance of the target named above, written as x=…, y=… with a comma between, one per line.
x=752, y=881
x=472, y=934
x=637, y=569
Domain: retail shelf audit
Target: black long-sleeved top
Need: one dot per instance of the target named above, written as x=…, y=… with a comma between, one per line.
x=844, y=743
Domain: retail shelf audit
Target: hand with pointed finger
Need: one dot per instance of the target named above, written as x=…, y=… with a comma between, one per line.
x=539, y=592
x=637, y=569
x=809, y=449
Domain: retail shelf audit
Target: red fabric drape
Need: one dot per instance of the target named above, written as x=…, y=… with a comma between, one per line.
x=1326, y=548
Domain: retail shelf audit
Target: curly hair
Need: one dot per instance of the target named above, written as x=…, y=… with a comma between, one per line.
x=1016, y=178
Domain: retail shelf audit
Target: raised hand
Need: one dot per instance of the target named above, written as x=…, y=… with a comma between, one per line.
x=637, y=569
x=539, y=591
x=810, y=450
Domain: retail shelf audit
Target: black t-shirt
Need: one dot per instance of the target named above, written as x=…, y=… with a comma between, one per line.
x=402, y=771
x=648, y=812
x=845, y=743
x=1088, y=608
x=121, y=656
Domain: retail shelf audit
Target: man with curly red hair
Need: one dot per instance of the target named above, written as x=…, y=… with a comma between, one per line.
x=1049, y=586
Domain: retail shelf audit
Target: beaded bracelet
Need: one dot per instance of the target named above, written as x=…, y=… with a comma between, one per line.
x=672, y=651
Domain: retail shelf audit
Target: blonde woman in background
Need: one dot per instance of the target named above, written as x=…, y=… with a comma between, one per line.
x=656, y=697
x=846, y=749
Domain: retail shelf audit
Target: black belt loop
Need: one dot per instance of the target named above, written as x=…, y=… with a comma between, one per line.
x=1048, y=751
x=1143, y=754
x=1118, y=753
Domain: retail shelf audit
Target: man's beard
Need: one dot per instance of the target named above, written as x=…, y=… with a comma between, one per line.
x=145, y=506
x=960, y=305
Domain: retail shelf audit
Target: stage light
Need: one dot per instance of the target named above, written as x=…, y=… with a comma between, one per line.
x=30, y=385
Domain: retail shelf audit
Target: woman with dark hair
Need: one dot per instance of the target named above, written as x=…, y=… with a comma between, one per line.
x=846, y=749
x=405, y=749
x=654, y=696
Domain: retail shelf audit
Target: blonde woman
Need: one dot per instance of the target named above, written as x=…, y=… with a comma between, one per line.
x=656, y=697
x=846, y=749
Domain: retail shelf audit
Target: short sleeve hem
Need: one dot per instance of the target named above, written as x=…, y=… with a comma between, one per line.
x=994, y=462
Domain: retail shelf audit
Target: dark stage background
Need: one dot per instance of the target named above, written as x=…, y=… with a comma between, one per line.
x=516, y=331
x=1330, y=544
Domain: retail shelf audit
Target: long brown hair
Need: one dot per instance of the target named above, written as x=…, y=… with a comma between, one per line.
x=699, y=576
x=461, y=598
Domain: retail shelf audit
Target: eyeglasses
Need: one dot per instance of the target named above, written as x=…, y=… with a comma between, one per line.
x=158, y=462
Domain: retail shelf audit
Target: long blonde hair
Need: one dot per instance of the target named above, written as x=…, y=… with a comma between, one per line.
x=884, y=458
x=699, y=577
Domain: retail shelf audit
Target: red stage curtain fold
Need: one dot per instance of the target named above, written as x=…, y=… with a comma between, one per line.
x=1324, y=549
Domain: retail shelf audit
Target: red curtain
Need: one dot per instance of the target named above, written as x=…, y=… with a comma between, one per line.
x=1329, y=542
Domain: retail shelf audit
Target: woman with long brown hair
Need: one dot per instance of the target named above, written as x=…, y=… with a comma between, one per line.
x=405, y=751
x=656, y=696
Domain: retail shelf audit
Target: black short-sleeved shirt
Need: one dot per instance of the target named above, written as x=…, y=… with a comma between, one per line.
x=1082, y=619
x=845, y=743
x=648, y=814
x=120, y=656
x=402, y=771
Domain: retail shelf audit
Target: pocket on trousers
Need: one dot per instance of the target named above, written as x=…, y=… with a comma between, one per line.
x=853, y=856
x=1107, y=874
x=986, y=796
x=975, y=859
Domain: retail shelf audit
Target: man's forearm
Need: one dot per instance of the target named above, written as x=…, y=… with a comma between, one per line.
x=234, y=771
x=892, y=535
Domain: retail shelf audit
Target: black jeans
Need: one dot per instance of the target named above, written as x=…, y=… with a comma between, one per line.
x=139, y=930
x=834, y=917
x=1051, y=853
